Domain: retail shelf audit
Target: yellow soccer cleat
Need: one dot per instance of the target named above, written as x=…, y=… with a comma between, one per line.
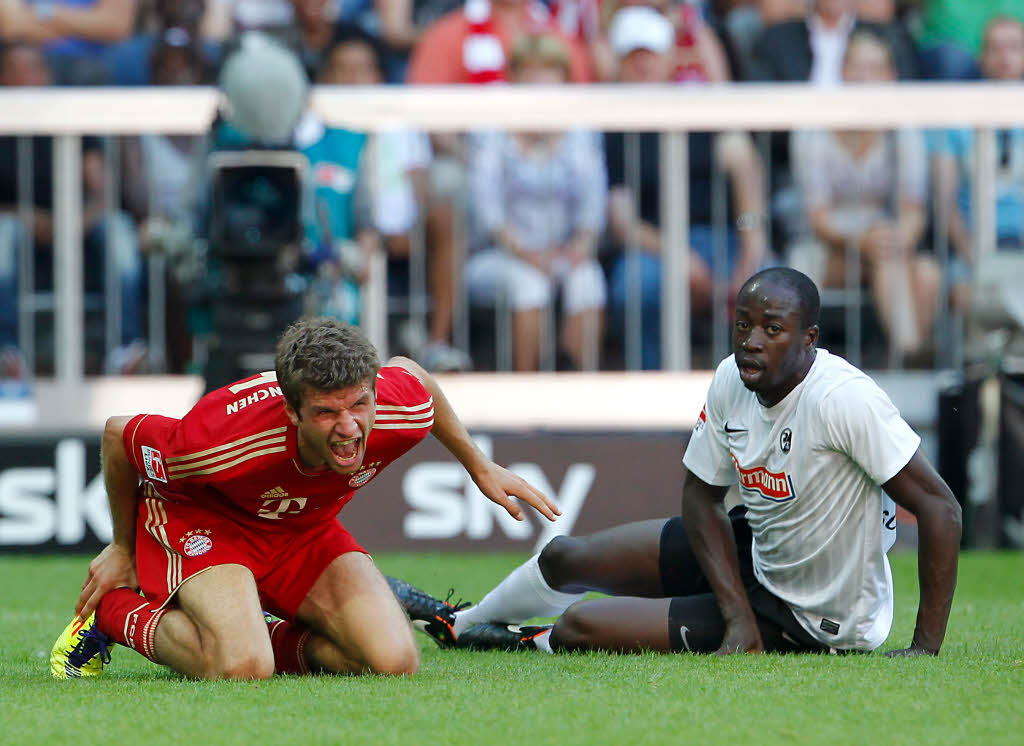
x=81, y=650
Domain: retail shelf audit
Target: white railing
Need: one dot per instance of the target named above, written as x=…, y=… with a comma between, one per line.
x=736, y=106
x=70, y=113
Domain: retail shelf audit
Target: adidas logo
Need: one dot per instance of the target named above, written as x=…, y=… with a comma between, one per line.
x=277, y=493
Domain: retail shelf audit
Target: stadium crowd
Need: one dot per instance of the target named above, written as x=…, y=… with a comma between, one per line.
x=528, y=223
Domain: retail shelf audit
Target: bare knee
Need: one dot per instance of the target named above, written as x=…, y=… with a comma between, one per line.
x=402, y=660
x=239, y=667
x=560, y=561
x=250, y=667
x=573, y=630
x=240, y=660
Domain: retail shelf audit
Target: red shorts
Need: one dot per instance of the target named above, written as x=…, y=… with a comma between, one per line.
x=175, y=542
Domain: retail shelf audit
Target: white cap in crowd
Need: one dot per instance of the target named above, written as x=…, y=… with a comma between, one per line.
x=640, y=27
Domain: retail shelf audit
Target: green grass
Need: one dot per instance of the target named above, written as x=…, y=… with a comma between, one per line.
x=972, y=694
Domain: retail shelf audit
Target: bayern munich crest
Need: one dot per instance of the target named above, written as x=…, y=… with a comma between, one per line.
x=197, y=544
x=361, y=478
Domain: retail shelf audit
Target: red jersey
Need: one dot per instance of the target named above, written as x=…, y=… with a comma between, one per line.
x=235, y=452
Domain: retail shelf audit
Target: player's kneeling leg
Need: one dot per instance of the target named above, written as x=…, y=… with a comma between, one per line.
x=218, y=630
x=359, y=626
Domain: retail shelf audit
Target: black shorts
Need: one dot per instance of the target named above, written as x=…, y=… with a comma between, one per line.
x=695, y=620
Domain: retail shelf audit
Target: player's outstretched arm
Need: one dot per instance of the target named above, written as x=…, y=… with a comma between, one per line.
x=918, y=488
x=114, y=567
x=497, y=483
x=714, y=544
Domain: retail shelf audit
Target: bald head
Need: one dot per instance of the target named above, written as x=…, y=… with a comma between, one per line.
x=788, y=280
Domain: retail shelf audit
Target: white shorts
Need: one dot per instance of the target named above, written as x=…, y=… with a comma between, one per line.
x=492, y=274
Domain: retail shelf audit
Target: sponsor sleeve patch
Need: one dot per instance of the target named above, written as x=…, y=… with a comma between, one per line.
x=702, y=420
x=153, y=461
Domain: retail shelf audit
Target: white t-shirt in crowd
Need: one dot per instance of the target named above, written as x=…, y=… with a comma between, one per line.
x=828, y=45
x=396, y=153
x=809, y=472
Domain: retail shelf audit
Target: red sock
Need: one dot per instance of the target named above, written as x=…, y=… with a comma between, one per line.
x=128, y=618
x=289, y=644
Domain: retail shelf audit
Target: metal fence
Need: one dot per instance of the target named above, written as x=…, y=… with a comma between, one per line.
x=70, y=114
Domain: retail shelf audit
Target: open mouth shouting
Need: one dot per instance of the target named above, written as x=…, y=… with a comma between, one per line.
x=347, y=453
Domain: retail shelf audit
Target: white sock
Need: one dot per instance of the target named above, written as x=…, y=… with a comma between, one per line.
x=522, y=595
x=543, y=642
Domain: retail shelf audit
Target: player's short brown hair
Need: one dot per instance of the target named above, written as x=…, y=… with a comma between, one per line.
x=323, y=353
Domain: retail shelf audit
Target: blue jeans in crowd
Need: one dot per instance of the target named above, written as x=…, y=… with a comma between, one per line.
x=648, y=267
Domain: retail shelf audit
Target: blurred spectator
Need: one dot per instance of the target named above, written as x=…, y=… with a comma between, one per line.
x=305, y=26
x=177, y=60
x=1002, y=59
x=75, y=33
x=369, y=14
x=700, y=56
x=177, y=24
x=269, y=16
x=339, y=227
x=812, y=48
x=400, y=24
x=311, y=32
x=867, y=190
x=768, y=11
x=108, y=234
x=162, y=175
x=643, y=39
x=470, y=45
x=161, y=171
x=398, y=161
x=950, y=35
x=539, y=199
x=894, y=19
x=579, y=19
x=741, y=22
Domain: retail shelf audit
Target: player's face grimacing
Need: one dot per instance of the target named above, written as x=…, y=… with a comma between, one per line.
x=334, y=425
x=773, y=349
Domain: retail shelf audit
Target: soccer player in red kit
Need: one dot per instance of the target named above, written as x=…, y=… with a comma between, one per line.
x=232, y=510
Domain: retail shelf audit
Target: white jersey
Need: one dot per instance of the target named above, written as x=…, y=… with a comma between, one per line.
x=809, y=471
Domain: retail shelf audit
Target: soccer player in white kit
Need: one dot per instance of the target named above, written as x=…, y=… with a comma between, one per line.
x=800, y=565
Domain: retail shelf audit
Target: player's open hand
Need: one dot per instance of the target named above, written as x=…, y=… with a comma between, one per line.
x=499, y=485
x=112, y=568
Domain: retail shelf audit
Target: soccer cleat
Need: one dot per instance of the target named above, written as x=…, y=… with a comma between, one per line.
x=428, y=614
x=496, y=636
x=81, y=650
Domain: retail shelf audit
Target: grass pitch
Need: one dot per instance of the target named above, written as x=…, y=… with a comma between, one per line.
x=972, y=694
